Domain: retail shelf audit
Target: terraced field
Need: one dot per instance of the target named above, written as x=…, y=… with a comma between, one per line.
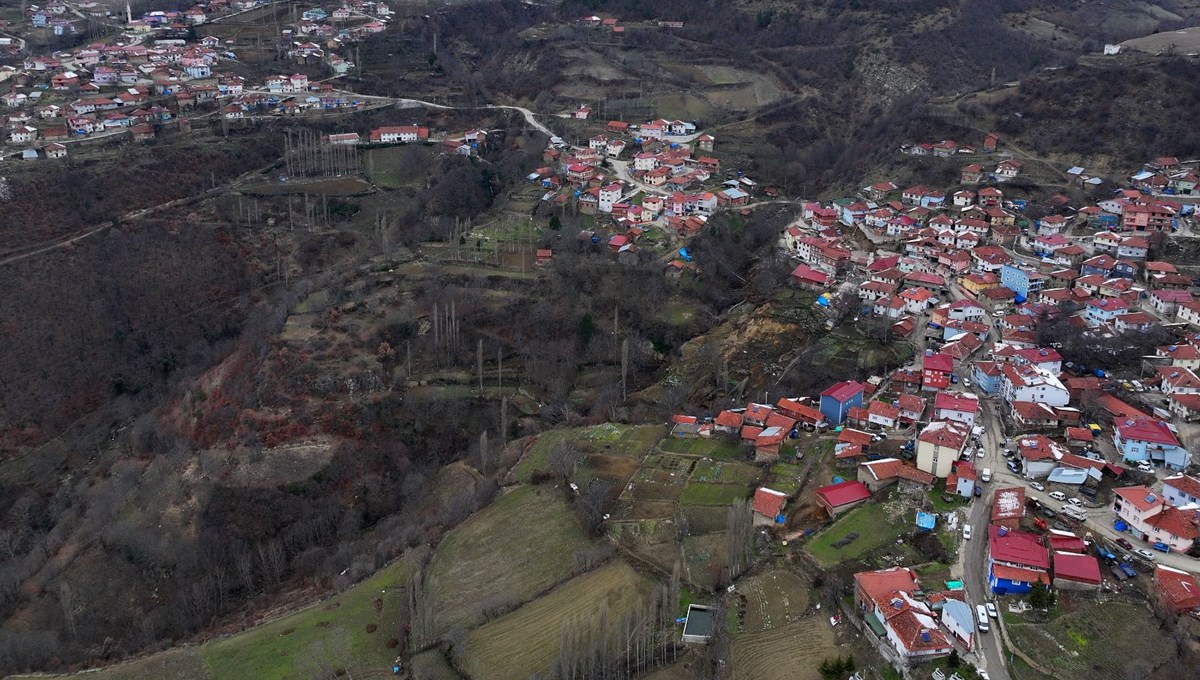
x=1097, y=640
x=526, y=641
x=791, y=652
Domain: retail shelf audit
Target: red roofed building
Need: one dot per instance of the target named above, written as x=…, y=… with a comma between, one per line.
x=1017, y=560
x=878, y=474
x=805, y=276
x=852, y=436
x=958, y=406
x=1008, y=507
x=939, y=445
x=800, y=411
x=838, y=498
x=1177, y=590
x=884, y=599
x=728, y=421
x=768, y=505
x=1065, y=541
x=935, y=371
x=1149, y=518
x=757, y=414
x=1076, y=571
x=883, y=414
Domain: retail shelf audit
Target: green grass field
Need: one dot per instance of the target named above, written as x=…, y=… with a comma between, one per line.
x=717, y=447
x=725, y=472
x=868, y=521
x=333, y=632
x=519, y=546
x=699, y=493
x=613, y=440
x=785, y=478
x=527, y=641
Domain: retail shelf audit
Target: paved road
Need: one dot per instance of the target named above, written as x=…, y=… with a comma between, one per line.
x=975, y=560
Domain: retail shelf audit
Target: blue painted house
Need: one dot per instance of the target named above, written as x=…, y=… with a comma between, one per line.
x=986, y=376
x=1147, y=439
x=1023, y=282
x=837, y=401
x=1104, y=311
x=1016, y=561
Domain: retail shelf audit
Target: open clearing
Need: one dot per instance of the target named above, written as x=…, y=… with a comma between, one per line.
x=290, y=647
x=606, y=440
x=771, y=600
x=791, y=652
x=699, y=493
x=872, y=524
x=517, y=547
x=1103, y=641
x=1185, y=41
x=341, y=186
x=527, y=640
x=432, y=665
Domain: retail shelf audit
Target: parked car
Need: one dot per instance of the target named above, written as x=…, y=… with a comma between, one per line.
x=1014, y=467
x=1058, y=495
x=979, y=452
x=982, y=618
x=991, y=610
x=1161, y=547
x=1144, y=554
x=1076, y=502
x=1048, y=512
x=1124, y=544
x=967, y=531
x=1037, y=486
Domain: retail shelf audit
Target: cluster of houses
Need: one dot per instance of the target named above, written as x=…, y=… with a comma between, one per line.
x=672, y=184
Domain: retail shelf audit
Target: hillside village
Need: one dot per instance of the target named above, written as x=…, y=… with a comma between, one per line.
x=163, y=71
x=1037, y=446
x=1075, y=477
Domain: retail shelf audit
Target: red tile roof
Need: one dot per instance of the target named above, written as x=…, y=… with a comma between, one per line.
x=1175, y=522
x=853, y=436
x=1076, y=567
x=845, y=493
x=1008, y=504
x=1140, y=497
x=1018, y=548
x=877, y=585
x=938, y=362
x=843, y=391
x=769, y=502
x=1147, y=430
x=1177, y=588
x=728, y=419
x=944, y=433
x=1019, y=574
x=1186, y=484
x=956, y=401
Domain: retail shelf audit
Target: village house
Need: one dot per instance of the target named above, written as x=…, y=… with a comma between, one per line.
x=1016, y=560
x=1177, y=590
x=399, y=133
x=1147, y=439
x=1150, y=518
x=939, y=444
x=886, y=600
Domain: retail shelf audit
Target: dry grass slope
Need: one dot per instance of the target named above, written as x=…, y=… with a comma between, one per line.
x=519, y=546
x=526, y=641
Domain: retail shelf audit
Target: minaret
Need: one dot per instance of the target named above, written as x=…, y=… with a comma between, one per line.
x=128, y=13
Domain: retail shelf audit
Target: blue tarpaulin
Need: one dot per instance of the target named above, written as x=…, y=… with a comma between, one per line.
x=926, y=520
x=1120, y=525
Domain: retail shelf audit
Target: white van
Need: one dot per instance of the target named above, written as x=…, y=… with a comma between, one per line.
x=982, y=616
x=1074, y=512
x=987, y=475
x=1058, y=495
